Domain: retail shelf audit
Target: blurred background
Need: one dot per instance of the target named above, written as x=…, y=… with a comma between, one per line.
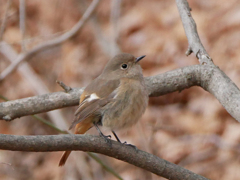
x=190, y=128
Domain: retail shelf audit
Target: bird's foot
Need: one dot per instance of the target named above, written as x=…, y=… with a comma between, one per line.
x=130, y=145
x=124, y=142
x=107, y=138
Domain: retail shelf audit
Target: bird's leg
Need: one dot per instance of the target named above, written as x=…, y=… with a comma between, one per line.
x=101, y=134
x=124, y=142
x=117, y=137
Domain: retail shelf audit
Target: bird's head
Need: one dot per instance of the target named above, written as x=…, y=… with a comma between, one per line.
x=123, y=65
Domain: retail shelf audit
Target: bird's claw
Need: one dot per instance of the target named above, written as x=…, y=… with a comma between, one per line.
x=107, y=138
x=130, y=145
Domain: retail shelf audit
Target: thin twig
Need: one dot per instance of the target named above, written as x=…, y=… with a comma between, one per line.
x=115, y=13
x=51, y=43
x=64, y=86
x=9, y=2
x=22, y=22
x=190, y=27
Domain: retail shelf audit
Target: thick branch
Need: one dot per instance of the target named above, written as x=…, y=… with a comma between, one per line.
x=97, y=144
x=171, y=81
x=38, y=104
x=218, y=82
x=210, y=78
x=51, y=43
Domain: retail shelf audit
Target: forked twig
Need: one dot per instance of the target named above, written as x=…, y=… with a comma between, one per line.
x=51, y=43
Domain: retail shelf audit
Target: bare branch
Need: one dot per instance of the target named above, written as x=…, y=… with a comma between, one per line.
x=171, y=81
x=222, y=87
x=97, y=144
x=208, y=77
x=46, y=45
x=4, y=19
x=22, y=16
x=64, y=86
x=190, y=28
x=115, y=13
x=217, y=82
x=38, y=104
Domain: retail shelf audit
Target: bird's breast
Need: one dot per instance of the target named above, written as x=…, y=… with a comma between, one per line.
x=128, y=105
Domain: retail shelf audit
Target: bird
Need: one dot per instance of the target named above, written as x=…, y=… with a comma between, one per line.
x=116, y=99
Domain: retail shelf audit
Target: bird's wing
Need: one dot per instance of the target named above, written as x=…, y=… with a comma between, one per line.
x=94, y=98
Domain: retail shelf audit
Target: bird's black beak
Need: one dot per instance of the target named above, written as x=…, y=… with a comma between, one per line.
x=139, y=58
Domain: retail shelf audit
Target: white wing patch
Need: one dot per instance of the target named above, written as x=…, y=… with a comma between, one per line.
x=92, y=97
x=115, y=93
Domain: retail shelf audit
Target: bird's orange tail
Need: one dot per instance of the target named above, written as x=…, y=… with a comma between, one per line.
x=64, y=158
x=80, y=128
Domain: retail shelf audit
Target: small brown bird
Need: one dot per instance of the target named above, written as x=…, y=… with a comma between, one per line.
x=116, y=99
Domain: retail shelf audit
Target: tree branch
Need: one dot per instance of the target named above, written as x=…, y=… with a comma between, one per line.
x=176, y=80
x=38, y=104
x=190, y=28
x=209, y=78
x=97, y=144
x=22, y=17
x=3, y=24
x=51, y=43
x=218, y=83
x=114, y=19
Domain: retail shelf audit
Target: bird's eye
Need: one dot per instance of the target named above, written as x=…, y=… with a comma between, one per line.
x=124, y=66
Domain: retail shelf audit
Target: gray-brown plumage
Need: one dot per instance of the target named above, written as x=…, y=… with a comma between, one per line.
x=116, y=99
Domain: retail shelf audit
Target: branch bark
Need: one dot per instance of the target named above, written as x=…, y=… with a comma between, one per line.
x=38, y=104
x=190, y=27
x=176, y=80
x=210, y=78
x=97, y=144
x=218, y=83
